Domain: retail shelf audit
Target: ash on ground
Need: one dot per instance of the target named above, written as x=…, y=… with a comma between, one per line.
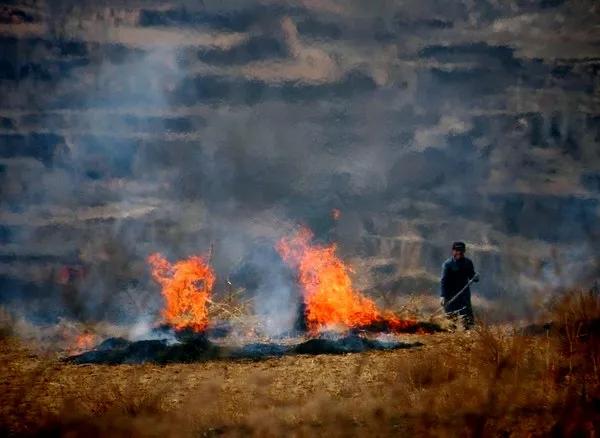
x=195, y=347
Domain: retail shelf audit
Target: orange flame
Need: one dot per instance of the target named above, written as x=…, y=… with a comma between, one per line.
x=186, y=286
x=83, y=342
x=327, y=288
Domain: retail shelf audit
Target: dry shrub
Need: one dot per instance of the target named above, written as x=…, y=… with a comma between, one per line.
x=6, y=324
x=575, y=329
x=576, y=321
x=481, y=383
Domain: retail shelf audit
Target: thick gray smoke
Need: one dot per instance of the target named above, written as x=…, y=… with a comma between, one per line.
x=133, y=127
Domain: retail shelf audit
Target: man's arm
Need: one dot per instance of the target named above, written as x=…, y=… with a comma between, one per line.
x=472, y=274
x=444, y=281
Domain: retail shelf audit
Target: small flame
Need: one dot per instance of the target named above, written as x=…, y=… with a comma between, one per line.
x=186, y=286
x=336, y=214
x=83, y=342
x=328, y=294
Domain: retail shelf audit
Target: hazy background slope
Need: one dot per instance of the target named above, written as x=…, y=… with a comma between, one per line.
x=128, y=127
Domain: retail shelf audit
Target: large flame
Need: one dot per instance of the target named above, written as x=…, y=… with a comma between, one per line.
x=327, y=288
x=186, y=286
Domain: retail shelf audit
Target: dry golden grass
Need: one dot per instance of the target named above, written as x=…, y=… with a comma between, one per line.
x=493, y=380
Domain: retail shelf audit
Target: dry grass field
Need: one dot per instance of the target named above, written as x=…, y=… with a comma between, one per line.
x=490, y=381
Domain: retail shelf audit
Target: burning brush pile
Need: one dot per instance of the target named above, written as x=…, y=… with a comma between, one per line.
x=337, y=318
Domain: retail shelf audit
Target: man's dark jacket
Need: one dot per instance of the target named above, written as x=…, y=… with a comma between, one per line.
x=455, y=275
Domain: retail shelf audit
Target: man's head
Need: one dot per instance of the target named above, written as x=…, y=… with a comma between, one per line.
x=458, y=250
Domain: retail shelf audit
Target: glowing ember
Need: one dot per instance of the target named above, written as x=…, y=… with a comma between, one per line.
x=328, y=294
x=186, y=286
x=336, y=214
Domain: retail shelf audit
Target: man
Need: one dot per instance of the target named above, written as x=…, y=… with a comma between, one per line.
x=457, y=271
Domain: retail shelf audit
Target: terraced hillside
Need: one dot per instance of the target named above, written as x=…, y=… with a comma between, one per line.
x=128, y=127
